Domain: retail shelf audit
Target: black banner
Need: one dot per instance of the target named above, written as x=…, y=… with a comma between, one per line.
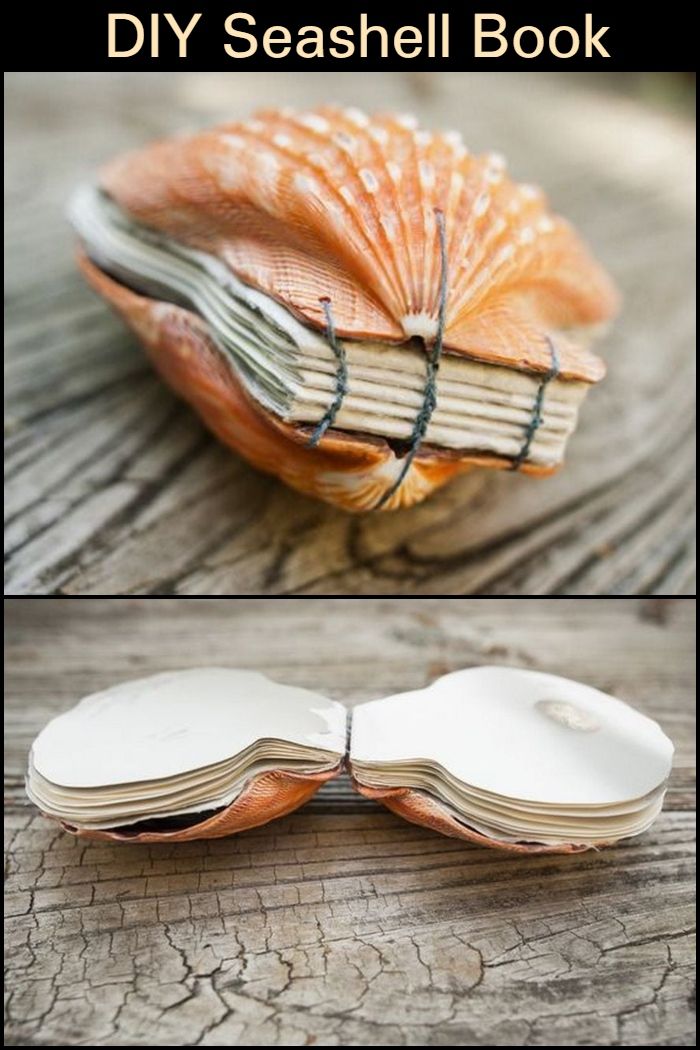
x=132, y=34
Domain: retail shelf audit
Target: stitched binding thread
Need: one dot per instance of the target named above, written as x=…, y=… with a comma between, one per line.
x=431, y=370
x=536, y=417
x=341, y=376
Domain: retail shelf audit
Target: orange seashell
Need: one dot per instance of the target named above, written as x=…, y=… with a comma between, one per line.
x=420, y=808
x=334, y=205
x=267, y=797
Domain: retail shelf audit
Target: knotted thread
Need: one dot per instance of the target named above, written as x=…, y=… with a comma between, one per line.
x=341, y=376
x=431, y=370
x=536, y=417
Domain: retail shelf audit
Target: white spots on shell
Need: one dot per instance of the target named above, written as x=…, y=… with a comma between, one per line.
x=347, y=196
x=468, y=241
x=498, y=226
x=545, y=224
x=427, y=174
x=528, y=192
x=369, y=180
x=234, y=141
x=419, y=324
x=526, y=235
x=390, y=225
x=319, y=160
x=422, y=138
x=480, y=278
x=379, y=135
x=456, y=182
x=394, y=171
x=495, y=168
x=336, y=211
x=452, y=138
x=304, y=184
x=407, y=121
x=268, y=168
x=344, y=141
x=229, y=167
x=254, y=126
x=315, y=122
x=356, y=117
x=504, y=255
x=481, y=204
x=514, y=206
x=283, y=141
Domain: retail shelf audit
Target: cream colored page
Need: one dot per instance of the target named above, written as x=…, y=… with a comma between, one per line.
x=178, y=721
x=519, y=733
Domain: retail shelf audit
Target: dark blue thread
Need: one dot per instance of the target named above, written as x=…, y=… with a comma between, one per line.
x=431, y=370
x=536, y=417
x=341, y=376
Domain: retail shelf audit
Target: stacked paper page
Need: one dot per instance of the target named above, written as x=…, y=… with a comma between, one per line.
x=518, y=755
x=178, y=743
x=291, y=369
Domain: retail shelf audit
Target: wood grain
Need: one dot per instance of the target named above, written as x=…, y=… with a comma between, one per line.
x=341, y=924
x=114, y=487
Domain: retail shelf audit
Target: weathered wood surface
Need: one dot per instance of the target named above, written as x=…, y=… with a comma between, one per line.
x=114, y=487
x=342, y=924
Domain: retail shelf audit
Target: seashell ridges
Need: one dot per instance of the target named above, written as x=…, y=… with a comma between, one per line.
x=336, y=227
x=305, y=204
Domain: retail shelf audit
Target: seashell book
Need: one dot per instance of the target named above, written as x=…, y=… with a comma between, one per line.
x=516, y=759
x=354, y=304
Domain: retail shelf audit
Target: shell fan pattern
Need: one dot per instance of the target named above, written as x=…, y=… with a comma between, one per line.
x=358, y=306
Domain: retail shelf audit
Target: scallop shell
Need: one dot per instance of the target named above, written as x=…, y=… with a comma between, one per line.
x=334, y=204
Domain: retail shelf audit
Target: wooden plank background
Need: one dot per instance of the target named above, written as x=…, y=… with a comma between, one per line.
x=115, y=488
x=341, y=924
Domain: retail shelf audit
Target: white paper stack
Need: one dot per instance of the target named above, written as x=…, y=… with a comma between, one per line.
x=518, y=755
x=177, y=744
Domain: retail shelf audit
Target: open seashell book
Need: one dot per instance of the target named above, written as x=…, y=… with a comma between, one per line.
x=498, y=756
x=361, y=307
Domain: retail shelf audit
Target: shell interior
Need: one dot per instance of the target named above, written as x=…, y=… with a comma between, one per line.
x=518, y=755
x=178, y=743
